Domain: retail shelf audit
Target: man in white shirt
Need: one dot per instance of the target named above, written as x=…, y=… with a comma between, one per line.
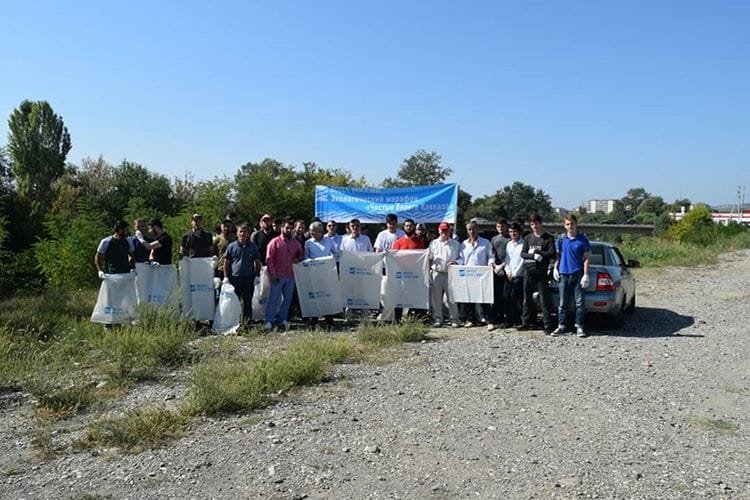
x=514, y=270
x=443, y=252
x=384, y=241
x=355, y=241
x=475, y=251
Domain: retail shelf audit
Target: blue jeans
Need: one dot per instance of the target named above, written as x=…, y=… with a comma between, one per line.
x=570, y=289
x=281, y=287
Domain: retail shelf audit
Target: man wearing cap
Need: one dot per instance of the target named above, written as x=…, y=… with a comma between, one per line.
x=197, y=242
x=443, y=252
x=263, y=236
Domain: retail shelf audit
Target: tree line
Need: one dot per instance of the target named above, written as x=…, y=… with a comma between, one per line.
x=53, y=213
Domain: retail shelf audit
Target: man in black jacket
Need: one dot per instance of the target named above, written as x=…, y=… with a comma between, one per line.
x=538, y=251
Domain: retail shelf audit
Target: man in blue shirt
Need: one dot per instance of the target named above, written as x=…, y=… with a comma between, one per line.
x=241, y=264
x=572, y=271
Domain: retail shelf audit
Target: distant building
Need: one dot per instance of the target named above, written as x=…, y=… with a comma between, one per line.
x=601, y=206
x=720, y=215
x=562, y=212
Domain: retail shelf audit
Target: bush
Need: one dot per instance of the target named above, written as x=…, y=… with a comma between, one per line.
x=696, y=227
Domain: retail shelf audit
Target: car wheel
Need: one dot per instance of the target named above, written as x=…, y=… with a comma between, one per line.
x=631, y=305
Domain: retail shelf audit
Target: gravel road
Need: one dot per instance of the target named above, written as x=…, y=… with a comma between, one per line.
x=657, y=408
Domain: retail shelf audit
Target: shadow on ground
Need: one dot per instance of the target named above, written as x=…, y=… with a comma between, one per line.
x=645, y=322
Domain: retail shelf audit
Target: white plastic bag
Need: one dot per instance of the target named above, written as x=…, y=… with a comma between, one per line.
x=261, y=293
x=117, y=300
x=228, y=313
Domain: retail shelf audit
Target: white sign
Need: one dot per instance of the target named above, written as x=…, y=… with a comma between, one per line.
x=472, y=284
x=318, y=287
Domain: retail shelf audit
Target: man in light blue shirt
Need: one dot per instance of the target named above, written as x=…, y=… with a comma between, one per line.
x=475, y=251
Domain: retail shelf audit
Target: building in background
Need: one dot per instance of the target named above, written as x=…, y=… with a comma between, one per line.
x=601, y=206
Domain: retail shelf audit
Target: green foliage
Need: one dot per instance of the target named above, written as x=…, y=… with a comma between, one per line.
x=131, y=180
x=696, y=227
x=231, y=383
x=515, y=203
x=137, y=430
x=66, y=256
x=410, y=330
x=423, y=168
x=38, y=143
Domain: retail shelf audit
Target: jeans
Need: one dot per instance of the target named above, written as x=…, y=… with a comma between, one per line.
x=536, y=281
x=281, y=287
x=513, y=300
x=570, y=289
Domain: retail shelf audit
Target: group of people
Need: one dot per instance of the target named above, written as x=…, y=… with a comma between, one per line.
x=521, y=264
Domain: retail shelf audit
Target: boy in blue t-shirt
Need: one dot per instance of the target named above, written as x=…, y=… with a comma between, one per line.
x=572, y=271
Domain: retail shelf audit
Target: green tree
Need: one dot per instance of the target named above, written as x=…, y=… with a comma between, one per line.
x=515, y=203
x=38, y=143
x=423, y=168
x=696, y=227
x=131, y=180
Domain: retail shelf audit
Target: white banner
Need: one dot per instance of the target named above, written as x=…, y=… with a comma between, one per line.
x=473, y=284
x=318, y=287
x=361, y=274
x=197, y=284
x=227, y=317
x=117, y=301
x=407, y=282
x=156, y=285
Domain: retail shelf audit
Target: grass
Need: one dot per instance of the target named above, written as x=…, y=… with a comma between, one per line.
x=137, y=430
x=410, y=330
x=661, y=252
x=720, y=426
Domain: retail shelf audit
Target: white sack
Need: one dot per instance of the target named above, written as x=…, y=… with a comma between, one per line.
x=407, y=281
x=197, y=285
x=472, y=284
x=156, y=285
x=227, y=317
x=260, y=294
x=318, y=287
x=117, y=300
x=361, y=274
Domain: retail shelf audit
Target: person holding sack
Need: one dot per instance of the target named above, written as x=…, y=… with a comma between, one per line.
x=241, y=265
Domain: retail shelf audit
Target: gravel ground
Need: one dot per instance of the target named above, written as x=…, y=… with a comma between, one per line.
x=657, y=408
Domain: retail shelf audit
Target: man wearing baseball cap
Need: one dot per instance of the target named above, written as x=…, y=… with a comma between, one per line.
x=263, y=236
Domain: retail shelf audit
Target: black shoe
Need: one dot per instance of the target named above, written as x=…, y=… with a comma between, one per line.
x=523, y=327
x=548, y=330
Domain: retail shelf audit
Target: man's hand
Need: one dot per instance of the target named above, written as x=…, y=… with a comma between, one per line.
x=225, y=281
x=538, y=257
x=101, y=275
x=556, y=274
x=584, y=281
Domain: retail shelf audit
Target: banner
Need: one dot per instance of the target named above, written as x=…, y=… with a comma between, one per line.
x=370, y=205
x=116, y=302
x=361, y=274
x=473, y=284
x=197, y=285
x=156, y=285
x=407, y=282
x=318, y=287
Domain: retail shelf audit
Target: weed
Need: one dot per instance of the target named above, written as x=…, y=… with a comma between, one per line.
x=720, y=426
x=410, y=330
x=138, y=430
x=41, y=440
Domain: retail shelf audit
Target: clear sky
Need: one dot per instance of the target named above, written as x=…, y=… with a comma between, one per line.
x=583, y=99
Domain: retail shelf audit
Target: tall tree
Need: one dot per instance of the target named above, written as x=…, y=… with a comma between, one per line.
x=38, y=143
x=515, y=203
x=423, y=168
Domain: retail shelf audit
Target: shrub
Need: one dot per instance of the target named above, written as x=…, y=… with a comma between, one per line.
x=696, y=227
x=137, y=430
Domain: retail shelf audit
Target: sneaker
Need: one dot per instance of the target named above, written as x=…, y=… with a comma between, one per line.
x=490, y=327
x=483, y=320
x=267, y=326
x=547, y=330
x=468, y=324
x=580, y=332
x=558, y=331
x=437, y=324
x=455, y=324
x=522, y=327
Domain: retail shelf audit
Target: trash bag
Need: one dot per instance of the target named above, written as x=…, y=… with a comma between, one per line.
x=228, y=312
x=117, y=300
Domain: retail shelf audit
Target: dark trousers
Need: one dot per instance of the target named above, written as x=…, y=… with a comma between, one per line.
x=497, y=312
x=536, y=281
x=472, y=312
x=244, y=288
x=513, y=300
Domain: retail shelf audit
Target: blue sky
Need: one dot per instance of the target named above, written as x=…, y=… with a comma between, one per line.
x=581, y=99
